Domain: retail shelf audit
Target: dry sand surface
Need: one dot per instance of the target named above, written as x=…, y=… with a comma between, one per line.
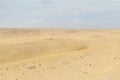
x=43, y=54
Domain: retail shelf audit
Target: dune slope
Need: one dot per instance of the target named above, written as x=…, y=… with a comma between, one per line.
x=33, y=54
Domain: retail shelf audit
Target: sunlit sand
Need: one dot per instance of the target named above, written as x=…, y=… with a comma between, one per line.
x=57, y=54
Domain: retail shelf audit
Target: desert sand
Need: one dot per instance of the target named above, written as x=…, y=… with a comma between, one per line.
x=57, y=54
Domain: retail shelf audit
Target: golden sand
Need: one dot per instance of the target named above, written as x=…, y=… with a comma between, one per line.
x=44, y=54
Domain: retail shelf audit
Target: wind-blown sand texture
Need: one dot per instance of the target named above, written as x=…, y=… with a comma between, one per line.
x=46, y=54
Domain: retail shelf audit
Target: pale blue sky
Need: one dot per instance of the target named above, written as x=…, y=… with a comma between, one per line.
x=60, y=13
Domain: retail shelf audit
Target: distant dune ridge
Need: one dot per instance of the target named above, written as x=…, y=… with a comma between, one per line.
x=59, y=54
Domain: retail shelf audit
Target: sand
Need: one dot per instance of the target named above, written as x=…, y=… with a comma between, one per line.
x=52, y=54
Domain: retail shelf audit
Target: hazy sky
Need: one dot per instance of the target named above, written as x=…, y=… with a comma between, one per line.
x=60, y=13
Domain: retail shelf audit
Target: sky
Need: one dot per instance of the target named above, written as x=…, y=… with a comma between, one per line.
x=60, y=13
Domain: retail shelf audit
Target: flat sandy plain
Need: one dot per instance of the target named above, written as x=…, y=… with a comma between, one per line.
x=51, y=54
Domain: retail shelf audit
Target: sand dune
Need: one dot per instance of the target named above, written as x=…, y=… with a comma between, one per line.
x=44, y=54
